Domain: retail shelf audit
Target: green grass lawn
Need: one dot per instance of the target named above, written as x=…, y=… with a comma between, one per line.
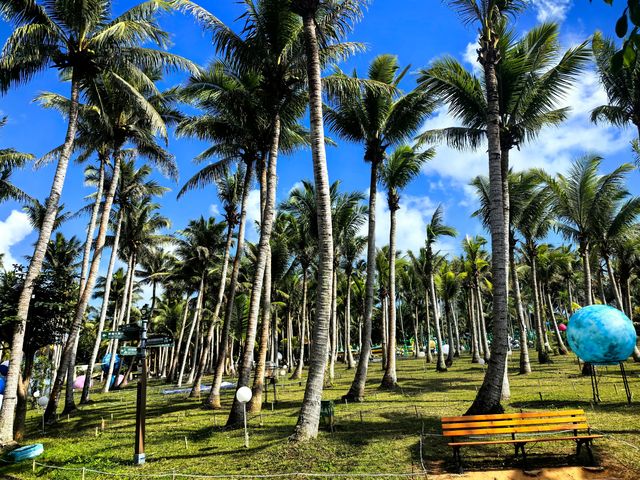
x=381, y=435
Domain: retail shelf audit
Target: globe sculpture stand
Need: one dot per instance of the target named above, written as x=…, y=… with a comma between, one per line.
x=594, y=382
x=602, y=335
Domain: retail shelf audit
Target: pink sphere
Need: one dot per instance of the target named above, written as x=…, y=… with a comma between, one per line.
x=78, y=383
x=562, y=327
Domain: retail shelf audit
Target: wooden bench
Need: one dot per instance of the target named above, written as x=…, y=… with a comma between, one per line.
x=521, y=428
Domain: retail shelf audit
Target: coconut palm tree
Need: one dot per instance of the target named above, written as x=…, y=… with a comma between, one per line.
x=397, y=171
x=111, y=118
x=578, y=197
x=448, y=283
x=352, y=248
x=517, y=98
x=133, y=185
x=377, y=115
x=199, y=247
x=83, y=45
x=230, y=193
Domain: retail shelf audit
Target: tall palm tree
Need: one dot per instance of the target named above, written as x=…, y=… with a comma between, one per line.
x=83, y=42
x=112, y=117
x=490, y=15
x=323, y=22
x=398, y=170
x=230, y=192
x=377, y=115
x=199, y=246
x=133, y=185
x=435, y=230
x=352, y=248
x=448, y=283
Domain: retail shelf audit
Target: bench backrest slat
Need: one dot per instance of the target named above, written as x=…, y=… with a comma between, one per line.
x=512, y=423
x=508, y=416
x=508, y=430
x=516, y=422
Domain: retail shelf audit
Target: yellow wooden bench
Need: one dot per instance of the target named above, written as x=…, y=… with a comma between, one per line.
x=522, y=428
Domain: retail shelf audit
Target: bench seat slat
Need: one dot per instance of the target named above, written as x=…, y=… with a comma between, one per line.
x=515, y=422
x=523, y=440
x=506, y=430
x=507, y=416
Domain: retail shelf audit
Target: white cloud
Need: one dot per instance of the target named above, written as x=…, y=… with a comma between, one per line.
x=554, y=149
x=470, y=56
x=552, y=10
x=253, y=215
x=214, y=210
x=12, y=231
x=295, y=186
x=411, y=221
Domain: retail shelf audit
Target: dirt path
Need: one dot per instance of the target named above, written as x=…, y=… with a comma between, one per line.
x=565, y=473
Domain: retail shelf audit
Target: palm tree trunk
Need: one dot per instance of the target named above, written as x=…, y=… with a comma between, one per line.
x=92, y=226
x=488, y=398
x=482, y=326
x=356, y=392
x=298, y=371
x=309, y=418
x=390, y=378
x=333, y=327
x=525, y=364
x=194, y=322
x=543, y=354
x=347, y=324
x=68, y=354
x=197, y=346
x=213, y=400
x=8, y=410
x=103, y=312
x=244, y=376
x=441, y=366
x=173, y=369
x=584, y=254
x=428, y=355
x=448, y=315
x=473, y=326
x=195, y=389
x=614, y=282
x=562, y=349
x=255, y=404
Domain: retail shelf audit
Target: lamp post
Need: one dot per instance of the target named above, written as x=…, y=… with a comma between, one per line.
x=141, y=398
x=243, y=395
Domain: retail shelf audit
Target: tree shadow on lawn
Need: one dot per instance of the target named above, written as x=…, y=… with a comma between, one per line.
x=587, y=406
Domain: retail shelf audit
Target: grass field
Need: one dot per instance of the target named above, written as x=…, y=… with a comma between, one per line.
x=381, y=435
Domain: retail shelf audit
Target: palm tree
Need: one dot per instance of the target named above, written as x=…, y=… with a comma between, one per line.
x=578, y=198
x=448, y=283
x=377, y=115
x=84, y=45
x=132, y=186
x=199, y=246
x=398, y=170
x=326, y=22
x=112, y=118
x=230, y=192
x=520, y=94
x=352, y=248
x=435, y=230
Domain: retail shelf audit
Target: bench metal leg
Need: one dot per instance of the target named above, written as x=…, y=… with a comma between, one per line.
x=520, y=448
x=588, y=443
x=457, y=459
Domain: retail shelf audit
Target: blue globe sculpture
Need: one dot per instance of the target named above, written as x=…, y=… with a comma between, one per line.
x=600, y=334
x=106, y=360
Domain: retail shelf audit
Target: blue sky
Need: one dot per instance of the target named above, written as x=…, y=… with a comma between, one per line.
x=418, y=31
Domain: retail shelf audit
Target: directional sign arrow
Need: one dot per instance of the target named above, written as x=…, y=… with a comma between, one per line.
x=113, y=336
x=128, y=351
